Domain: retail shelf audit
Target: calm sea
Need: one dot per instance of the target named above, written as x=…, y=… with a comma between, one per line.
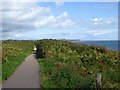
x=113, y=45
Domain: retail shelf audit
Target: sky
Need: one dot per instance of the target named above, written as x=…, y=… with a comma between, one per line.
x=59, y=20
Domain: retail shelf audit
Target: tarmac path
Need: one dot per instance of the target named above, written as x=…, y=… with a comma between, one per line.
x=25, y=76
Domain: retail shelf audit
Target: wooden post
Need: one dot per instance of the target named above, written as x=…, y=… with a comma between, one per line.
x=98, y=81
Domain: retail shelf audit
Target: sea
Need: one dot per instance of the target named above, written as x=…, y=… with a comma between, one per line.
x=112, y=45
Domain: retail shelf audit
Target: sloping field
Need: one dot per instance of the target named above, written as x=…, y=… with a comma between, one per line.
x=67, y=65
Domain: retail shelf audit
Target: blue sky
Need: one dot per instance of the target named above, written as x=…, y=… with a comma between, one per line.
x=61, y=20
x=82, y=9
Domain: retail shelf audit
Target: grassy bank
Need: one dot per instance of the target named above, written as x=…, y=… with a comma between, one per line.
x=68, y=65
x=0, y=61
x=13, y=53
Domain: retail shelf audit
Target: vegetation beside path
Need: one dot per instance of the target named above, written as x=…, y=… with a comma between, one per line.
x=64, y=64
x=13, y=53
x=67, y=65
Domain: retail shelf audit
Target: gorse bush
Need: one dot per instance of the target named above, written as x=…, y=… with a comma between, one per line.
x=68, y=65
x=10, y=51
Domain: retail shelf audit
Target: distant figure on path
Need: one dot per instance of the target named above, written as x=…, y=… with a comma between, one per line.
x=34, y=49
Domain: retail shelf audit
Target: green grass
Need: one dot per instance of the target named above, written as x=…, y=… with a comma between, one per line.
x=0, y=71
x=68, y=65
x=64, y=64
x=10, y=66
x=13, y=54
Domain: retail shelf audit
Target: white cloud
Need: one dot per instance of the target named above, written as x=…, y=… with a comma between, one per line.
x=96, y=19
x=21, y=1
x=64, y=14
x=109, y=22
x=61, y=21
x=59, y=2
x=99, y=32
x=104, y=22
x=103, y=6
x=21, y=17
x=62, y=0
x=105, y=28
x=18, y=35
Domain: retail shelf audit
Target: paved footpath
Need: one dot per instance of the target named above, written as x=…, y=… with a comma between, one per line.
x=26, y=75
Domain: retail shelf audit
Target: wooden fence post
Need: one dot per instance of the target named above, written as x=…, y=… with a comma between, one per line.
x=98, y=81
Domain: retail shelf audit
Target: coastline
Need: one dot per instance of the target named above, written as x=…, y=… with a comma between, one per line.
x=110, y=44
